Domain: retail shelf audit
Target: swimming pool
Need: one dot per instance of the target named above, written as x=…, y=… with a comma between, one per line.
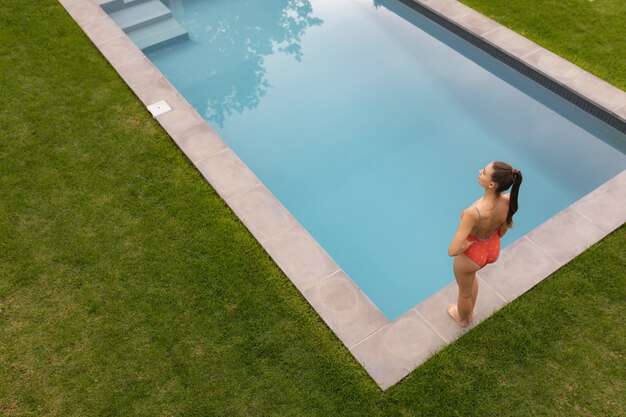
x=380, y=120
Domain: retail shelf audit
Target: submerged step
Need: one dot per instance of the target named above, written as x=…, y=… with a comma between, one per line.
x=111, y=6
x=141, y=14
x=158, y=34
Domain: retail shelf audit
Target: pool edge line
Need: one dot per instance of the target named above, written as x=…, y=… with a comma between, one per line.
x=564, y=78
x=388, y=350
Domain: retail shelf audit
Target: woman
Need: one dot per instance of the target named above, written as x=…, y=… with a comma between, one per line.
x=476, y=242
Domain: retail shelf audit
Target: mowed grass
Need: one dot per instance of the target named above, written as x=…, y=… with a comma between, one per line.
x=128, y=288
x=589, y=33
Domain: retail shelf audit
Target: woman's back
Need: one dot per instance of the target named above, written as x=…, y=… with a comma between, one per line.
x=490, y=216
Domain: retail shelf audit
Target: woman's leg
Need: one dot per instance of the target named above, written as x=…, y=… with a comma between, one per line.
x=474, y=298
x=465, y=273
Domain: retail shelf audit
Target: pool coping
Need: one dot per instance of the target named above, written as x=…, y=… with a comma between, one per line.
x=388, y=350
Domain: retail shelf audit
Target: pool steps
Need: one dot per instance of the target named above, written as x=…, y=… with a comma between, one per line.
x=149, y=23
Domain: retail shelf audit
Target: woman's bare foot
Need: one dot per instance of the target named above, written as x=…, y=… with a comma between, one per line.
x=454, y=313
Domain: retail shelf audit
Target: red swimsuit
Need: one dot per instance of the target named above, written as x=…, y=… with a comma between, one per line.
x=484, y=251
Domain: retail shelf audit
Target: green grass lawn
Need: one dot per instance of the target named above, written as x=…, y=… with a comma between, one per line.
x=127, y=287
x=589, y=33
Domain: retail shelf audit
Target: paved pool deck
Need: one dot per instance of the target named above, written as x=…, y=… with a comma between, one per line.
x=388, y=350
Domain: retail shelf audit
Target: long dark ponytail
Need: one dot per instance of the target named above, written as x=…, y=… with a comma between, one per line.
x=505, y=176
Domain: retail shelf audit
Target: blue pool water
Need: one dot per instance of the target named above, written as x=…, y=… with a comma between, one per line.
x=370, y=123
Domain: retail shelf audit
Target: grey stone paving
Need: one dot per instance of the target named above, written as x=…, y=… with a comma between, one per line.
x=138, y=72
x=397, y=348
x=264, y=215
x=300, y=257
x=599, y=91
x=118, y=51
x=102, y=30
x=180, y=118
x=605, y=207
x=227, y=174
x=552, y=65
x=434, y=310
x=345, y=308
x=510, y=41
x=199, y=142
x=565, y=235
x=388, y=350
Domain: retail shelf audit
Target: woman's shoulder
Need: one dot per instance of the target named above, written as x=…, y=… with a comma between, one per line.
x=470, y=212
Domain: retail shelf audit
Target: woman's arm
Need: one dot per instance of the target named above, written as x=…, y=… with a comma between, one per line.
x=459, y=243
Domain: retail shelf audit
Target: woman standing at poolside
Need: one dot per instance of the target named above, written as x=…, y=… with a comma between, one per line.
x=476, y=242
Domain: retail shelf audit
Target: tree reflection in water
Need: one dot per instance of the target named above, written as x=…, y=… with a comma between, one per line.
x=234, y=37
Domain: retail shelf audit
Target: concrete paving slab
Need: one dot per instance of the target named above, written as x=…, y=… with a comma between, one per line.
x=434, y=309
x=262, y=213
x=392, y=352
x=102, y=30
x=64, y=3
x=199, y=142
x=300, y=257
x=120, y=51
x=621, y=112
x=138, y=72
x=521, y=266
x=598, y=91
x=510, y=41
x=605, y=207
x=464, y=16
x=565, y=236
x=83, y=11
x=552, y=65
x=156, y=89
x=181, y=117
x=227, y=174
x=345, y=308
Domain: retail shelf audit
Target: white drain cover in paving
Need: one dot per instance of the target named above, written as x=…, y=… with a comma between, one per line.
x=159, y=108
